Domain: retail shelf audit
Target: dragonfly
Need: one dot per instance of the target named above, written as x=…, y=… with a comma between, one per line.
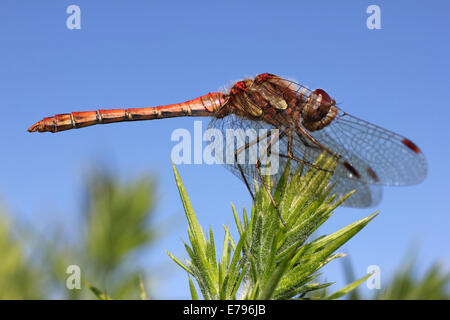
x=308, y=123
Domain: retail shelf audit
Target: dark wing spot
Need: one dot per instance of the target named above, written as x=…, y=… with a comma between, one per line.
x=352, y=170
x=372, y=174
x=411, y=145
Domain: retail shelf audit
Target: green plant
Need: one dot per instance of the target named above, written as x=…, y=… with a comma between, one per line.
x=19, y=277
x=406, y=284
x=116, y=226
x=271, y=261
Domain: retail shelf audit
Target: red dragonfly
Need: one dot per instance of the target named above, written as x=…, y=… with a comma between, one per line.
x=308, y=122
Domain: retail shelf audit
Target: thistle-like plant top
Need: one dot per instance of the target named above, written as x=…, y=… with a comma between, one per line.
x=271, y=261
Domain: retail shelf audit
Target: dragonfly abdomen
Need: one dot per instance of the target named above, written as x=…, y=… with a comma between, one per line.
x=200, y=107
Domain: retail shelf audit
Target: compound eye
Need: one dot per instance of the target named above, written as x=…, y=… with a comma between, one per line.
x=325, y=97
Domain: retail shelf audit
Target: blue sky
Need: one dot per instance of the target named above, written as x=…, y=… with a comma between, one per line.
x=152, y=53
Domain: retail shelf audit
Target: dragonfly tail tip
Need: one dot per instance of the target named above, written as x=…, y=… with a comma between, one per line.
x=35, y=127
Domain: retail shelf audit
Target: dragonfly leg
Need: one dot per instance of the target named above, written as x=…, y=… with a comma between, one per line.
x=243, y=148
x=236, y=154
x=291, y=156
x=263, y=181
x=244, y=178
x=258, y=164
x=306, y=163
x=302, y=133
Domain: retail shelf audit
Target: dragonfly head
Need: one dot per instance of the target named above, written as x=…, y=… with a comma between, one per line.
x=318, y=111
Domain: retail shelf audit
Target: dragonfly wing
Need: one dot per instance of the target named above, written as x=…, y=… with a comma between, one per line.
x=343, y=178
x=371, y=154
x=233, y=133
x=365, y=196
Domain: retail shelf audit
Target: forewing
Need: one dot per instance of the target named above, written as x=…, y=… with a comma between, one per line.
x=379, y=156
x=369, y=153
